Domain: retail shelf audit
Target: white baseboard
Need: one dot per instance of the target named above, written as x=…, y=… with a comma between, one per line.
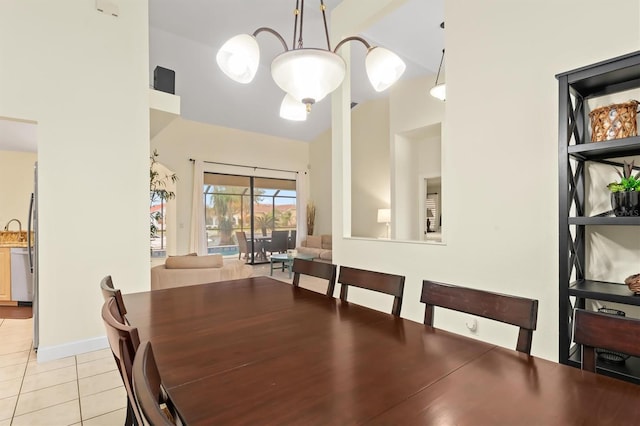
x=50, y=353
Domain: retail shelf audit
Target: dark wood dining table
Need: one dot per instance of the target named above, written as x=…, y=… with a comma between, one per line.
x=260, y=351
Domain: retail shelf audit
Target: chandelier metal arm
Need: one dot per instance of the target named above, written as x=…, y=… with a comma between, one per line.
x=440, y=67
x=296, y=13
x=275, y=33
x=301, y=24
x=352, y=38
x=324, y=18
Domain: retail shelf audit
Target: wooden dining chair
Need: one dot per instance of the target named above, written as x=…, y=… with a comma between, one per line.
x=243, y=246
x=612, y=332
x=376, y=281
x=513, y=310
x=292, y=239
x=124, y=341
x=279, y=242
x=109, y=291
x=154, y=403
x=323, y=270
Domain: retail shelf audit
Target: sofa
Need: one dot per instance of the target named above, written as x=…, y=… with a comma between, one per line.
x=319, y=246
x=179, y=271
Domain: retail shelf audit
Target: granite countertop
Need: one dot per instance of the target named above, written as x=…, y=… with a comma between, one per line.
x=13, y=239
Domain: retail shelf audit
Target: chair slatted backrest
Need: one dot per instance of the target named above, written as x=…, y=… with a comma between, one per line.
x=376, y=281
x=124, y=341
x=612, y=332
x=518, y=311
x=153, y=402
x=241, y=236
x=279, y=242
x=323, y=270
x=109, y=291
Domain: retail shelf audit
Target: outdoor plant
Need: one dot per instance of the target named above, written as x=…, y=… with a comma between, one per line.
x=158, y=192
x=264, y=222
x=628, y=182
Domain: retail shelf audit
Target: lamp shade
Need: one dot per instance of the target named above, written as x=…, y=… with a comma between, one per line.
x=308, y=75
x=239, y=58
x=383, y=68
x=439, y=91
x=384, y=215
x=293, y=110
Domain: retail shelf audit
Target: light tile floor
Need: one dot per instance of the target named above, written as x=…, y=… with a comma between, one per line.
x=79, y=390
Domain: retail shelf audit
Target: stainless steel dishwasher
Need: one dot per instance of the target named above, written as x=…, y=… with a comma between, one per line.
x=21, y=276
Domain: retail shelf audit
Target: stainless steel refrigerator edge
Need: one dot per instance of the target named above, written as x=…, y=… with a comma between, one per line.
x=33, y=252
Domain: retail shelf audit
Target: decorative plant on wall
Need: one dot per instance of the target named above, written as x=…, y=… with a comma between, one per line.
x=158, y=192
x=311, y=217
x=625, y=195
x=628, y=182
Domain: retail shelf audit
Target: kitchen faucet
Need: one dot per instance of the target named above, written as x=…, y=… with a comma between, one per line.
x=6, y=227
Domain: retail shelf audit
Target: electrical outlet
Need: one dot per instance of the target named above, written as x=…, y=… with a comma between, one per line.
x=472, y=324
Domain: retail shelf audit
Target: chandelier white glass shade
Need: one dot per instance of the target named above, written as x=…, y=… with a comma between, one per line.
x=239, y=58
x=439, y=91
x=383, y=68
x=306, y=74
x=291, y=109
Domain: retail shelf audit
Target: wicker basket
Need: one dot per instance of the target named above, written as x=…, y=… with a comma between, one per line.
x=633, y=282
x=614, y=121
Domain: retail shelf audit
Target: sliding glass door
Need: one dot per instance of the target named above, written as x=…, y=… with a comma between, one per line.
x=247, y=208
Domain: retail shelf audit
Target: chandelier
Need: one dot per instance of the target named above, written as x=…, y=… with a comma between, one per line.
x=307, y=75
x=439, y=91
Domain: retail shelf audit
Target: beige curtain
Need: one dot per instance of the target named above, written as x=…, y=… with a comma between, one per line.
x=302, y=182
x=198, y=241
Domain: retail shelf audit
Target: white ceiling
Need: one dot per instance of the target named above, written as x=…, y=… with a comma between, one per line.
x=186, y=34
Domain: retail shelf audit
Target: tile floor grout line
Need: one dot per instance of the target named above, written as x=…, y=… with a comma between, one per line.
x=15, y=407
x=103, y=414
x=78, y=387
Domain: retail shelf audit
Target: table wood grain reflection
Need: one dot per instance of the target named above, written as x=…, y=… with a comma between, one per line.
x=259, y=351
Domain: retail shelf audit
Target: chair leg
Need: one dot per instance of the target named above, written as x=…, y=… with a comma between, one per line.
x=131, y=418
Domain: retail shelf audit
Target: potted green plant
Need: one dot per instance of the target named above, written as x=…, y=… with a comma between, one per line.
x=158, y=193
x=625, y=194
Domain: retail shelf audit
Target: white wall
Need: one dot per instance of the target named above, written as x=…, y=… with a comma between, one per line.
x=16, y=186
x=83, y=77
x=502, y=121
x=415, y=159
x=412, y=119
x=370, y=167
x=320, y=181
x=183, y=140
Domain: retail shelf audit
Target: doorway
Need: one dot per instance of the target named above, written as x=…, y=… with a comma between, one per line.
x=249, y=208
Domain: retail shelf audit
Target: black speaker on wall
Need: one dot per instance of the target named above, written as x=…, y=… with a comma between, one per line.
x=164, y=80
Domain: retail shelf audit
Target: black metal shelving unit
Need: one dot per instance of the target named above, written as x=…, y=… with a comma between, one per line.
x=576, y=87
